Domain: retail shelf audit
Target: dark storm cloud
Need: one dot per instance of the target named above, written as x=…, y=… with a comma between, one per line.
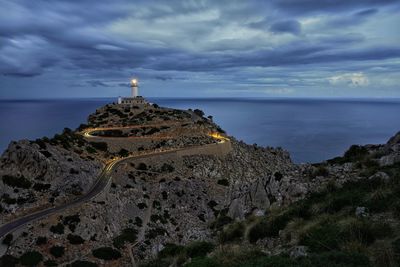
x=367, y=12
x=290, y=26
x=313, y=6
x=95, y=38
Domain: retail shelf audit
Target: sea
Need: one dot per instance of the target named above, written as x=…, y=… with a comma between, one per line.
x=312, y=130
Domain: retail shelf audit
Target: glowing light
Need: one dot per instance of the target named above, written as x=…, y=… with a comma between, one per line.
x=134, y=82
x=219, y=136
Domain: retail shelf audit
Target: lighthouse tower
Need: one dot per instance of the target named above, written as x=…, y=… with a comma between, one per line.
x=134, y=87
x=134, y=99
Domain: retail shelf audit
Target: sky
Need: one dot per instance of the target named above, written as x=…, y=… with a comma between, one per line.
x=205, y=48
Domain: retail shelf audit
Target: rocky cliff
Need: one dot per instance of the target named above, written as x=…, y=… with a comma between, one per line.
x=161, y=199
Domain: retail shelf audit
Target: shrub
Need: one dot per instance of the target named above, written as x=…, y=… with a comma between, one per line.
x=223, y=182
x=142, y=166
x=355, y=153
x=198, y=112
x=75, y=239
x=19, y=182
x=72, y=221
x=46, y=153
x=156, y=263
x=142, y=205
x=127, y=235
x=170, y=250
x=321, y=171
x=278, y=176
x=7, y=240
x=203, y=262
x=221, y=221
x=50, y=263
x=8, y=261
x=8, y=200
x=167, y=168
x=232, y=232
x=57, y=229
x=123, y=152
x=322, y=237
x=199, y=249
x=31, y=258
x=339, y=259
x=106, y=253
x=396, y=249
x=41, y=187
x=57, y=251
x=138, y=222
x=41, y=143
x=83, y=264
x=91, y=150
x=41, y=240
x=360, y=231
x=269, y=227
x=102, y=146
x=381, y=230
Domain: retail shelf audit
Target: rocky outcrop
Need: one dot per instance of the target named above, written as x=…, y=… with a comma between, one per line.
x=38, y=174
x=163, y=199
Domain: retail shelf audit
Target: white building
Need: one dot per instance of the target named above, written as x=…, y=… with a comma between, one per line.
x=135, y=99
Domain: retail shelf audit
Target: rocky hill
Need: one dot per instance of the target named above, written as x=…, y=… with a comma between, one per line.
x=249, y=206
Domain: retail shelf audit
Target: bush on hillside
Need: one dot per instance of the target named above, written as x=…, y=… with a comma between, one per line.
x=127, y=235
x=106, y=253
x=57, y=251
x=75, y=239
x=31, y=258
x=102, y=146
x=18, y=182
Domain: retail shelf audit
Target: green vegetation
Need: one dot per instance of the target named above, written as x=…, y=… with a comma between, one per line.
x=83, y=264
x=354, y=153
x=224, y=182
x=167, y=168
x=7, y=239
x=75, y=239
x=324, y=222
x=72, y=221
x=41, y=187
x=57, y=251
x=198, y=112
x=106, y=253
x=8, y=260
x=18, y=182
x=123, y=153
x=127, y=235
x=102, y=146
x=41, y=240
x=233, y=256
x=31, y=258
x=199, y=249
x=50, y=263
x=67, y=139
x=232, y=232
x=57, y=229
x=142, y=167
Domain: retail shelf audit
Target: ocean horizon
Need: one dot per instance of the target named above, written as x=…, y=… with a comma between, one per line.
x=311, y=129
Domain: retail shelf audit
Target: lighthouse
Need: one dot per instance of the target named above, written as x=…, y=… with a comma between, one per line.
x=134, y=100
x=134, y=87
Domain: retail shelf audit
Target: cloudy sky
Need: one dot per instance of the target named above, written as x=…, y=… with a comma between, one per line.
x=208, y=48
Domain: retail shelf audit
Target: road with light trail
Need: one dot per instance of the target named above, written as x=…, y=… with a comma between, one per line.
x=101, y=183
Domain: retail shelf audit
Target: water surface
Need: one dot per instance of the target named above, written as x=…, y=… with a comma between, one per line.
x=311, y=129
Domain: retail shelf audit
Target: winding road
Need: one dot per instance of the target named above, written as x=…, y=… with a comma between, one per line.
x=101, y=183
